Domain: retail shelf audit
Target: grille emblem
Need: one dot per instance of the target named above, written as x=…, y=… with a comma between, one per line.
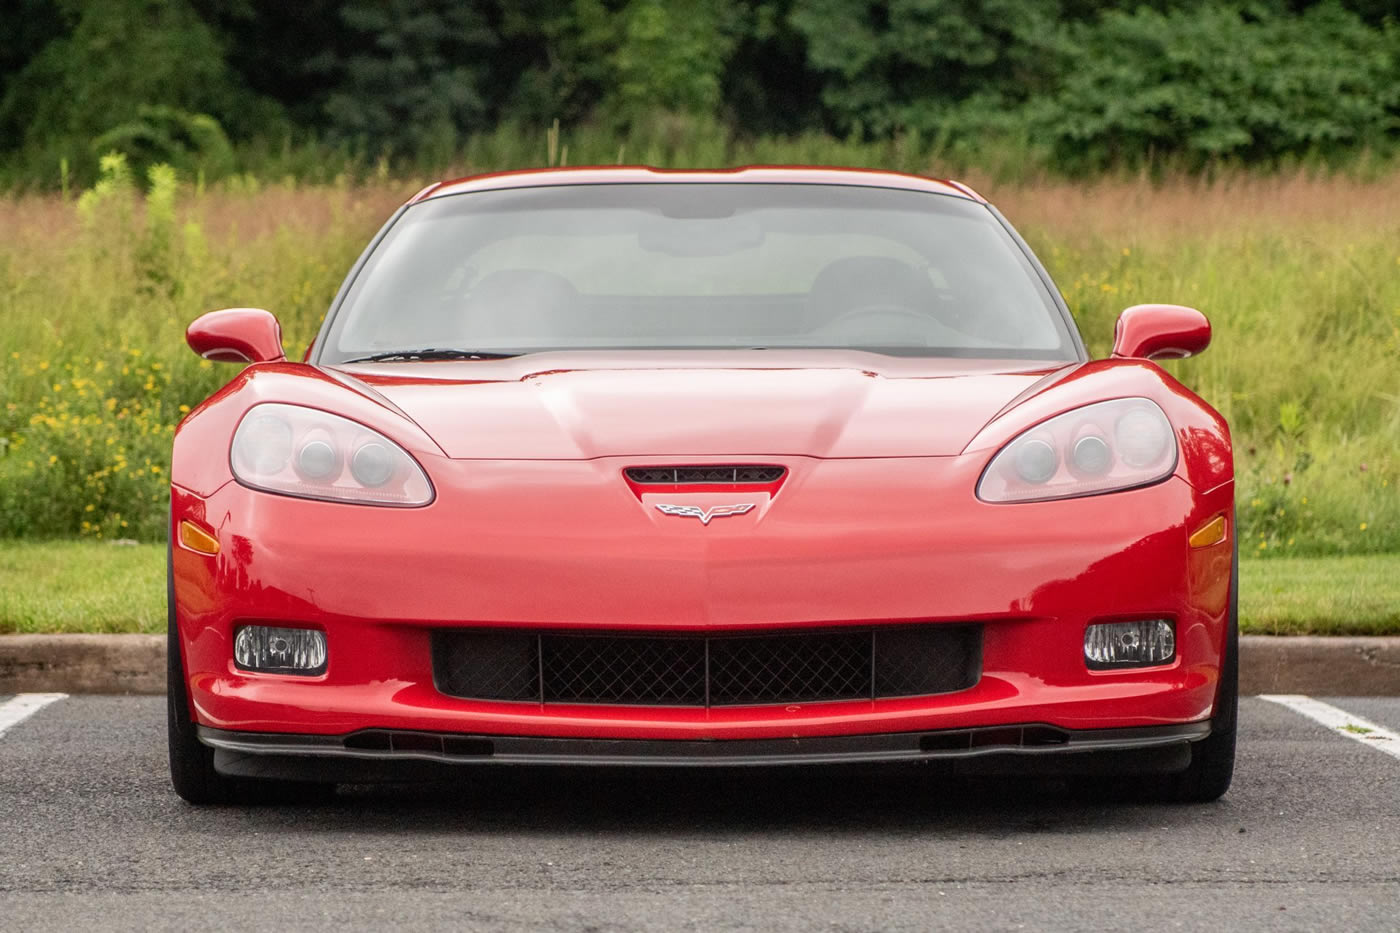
x=694, y=511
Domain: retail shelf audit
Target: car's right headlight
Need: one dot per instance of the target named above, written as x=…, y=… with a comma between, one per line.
x=1104, y=447
x=313, y=454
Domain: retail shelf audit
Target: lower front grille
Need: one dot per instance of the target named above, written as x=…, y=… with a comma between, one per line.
x=623, y=668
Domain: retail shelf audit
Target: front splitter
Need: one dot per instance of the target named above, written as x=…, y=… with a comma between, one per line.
x=395, y=755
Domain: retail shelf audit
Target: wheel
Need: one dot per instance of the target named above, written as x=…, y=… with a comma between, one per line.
x=191, y=761
x=1212, y=765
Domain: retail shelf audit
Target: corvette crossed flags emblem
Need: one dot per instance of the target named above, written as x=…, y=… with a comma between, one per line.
x=694, y=511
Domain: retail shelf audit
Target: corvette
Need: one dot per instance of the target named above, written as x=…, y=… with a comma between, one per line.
x=765, y=466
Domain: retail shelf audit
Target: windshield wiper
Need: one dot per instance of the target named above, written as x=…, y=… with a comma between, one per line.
x=431, y=353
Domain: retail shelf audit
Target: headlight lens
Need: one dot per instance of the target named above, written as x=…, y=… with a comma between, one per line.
x=313, y=454
x=1102, y=447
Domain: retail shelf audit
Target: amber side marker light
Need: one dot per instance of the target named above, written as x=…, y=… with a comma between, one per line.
x=1212, y=532
x=197, y=539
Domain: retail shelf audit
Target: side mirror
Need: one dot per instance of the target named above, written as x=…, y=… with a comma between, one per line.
x=1160, y=332
x=236, y=335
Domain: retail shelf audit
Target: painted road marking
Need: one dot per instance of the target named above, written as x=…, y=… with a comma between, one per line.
x=1341, y=722
x=25, y=705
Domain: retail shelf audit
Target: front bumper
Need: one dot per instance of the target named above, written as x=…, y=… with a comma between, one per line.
x=552, y=546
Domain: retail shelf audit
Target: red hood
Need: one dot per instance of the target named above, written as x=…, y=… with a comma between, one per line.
x=566, y=406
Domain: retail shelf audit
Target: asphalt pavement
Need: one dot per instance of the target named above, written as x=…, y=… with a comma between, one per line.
x=91, y=837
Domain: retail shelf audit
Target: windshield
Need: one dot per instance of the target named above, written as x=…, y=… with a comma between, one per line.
x=698, y=266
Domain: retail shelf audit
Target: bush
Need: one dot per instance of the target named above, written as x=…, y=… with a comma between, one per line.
x=192, y=143
x=1209, y=83
x=94, y=373
x=120, y=58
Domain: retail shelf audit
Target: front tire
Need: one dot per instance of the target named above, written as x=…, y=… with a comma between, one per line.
x=1213, y=758
x=191, y=761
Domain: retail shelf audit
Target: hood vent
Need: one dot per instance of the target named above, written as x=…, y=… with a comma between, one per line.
x=699, y=475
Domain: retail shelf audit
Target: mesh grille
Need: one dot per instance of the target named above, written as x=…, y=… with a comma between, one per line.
x=695, y=475
x=624, y=670
x=694, y=670
x=790, y=668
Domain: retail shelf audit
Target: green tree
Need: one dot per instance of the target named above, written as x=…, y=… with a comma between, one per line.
x=271, y=47
x=414, y=80
x=121, y=55
x=622, y=61
x=1213, y=82
x=556, y=59
x=25, y=27
x=671, y=56
x=768, y=87
x=892, y=64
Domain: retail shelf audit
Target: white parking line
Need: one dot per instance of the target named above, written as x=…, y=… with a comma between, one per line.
x=20, y=708
x=1341, y=722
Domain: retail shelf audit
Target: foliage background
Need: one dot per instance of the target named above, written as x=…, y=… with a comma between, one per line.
x=317, y=88
x=1236, y=156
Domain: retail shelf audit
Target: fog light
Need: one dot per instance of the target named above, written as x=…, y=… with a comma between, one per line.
x=280, y=650
x=1129, y=644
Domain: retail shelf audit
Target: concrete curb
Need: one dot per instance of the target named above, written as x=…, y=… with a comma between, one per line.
x=1320, y=666
x=82, y=664
x=135, y=664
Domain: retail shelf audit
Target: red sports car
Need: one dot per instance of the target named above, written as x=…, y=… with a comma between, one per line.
x=619, y=466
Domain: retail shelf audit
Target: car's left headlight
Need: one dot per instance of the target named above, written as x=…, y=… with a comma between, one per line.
x=313, y=454
x=1103, y=447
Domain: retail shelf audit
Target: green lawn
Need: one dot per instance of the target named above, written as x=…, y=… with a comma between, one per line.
x=1321, y=595
x=80, y=586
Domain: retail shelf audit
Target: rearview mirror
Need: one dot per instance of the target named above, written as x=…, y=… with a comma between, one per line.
x=1160, y=332
x=236, y=335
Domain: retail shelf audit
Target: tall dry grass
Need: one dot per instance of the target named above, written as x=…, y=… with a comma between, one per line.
x=1299, y=275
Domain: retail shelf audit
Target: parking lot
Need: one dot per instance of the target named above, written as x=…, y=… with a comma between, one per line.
x=92, y=835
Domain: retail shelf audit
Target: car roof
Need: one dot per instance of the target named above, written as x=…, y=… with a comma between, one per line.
x=748, y=174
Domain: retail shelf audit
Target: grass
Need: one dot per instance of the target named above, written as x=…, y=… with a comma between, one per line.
x=1357, y=595
x=81, y=586
x=1300, y=275
x=89, y=586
